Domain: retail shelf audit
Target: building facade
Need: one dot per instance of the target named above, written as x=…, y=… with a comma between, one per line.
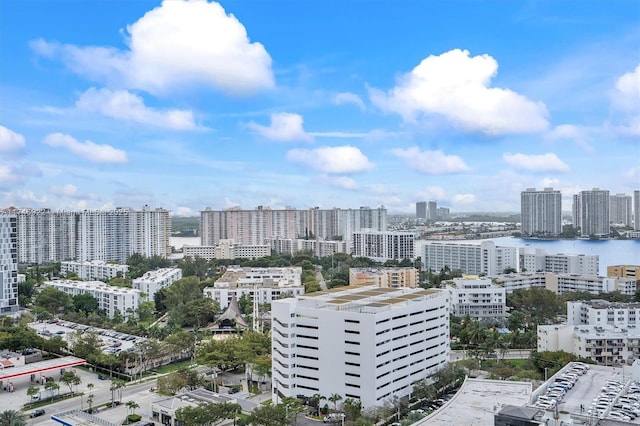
x=8, y=262
x=624, y=271
x=636, y=210
x=541, y=213
x=367, y=343
x=154, y=281
x=469, y=257
x=563, y=283
x=384, y=277
x=602, y=312
x=382, y=246
x=95, y=270
x=541, y=261
x=319, y=248
x=591, y=211
x=421, y=210
x=620, y=212
x=227, y=249
x=110, y=299
x=478, y=298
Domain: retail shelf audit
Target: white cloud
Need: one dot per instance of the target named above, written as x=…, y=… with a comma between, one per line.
x=464, y=199
x=88, y=150
x=179, y=43
x=126, y=106
x=183, y=211
x=349, y=98
x=71, y=191
x=10, y=141
x=343, y=182
x=333, y=160
x=626, y=101
x=579, y=134
x=431, y=162
x=432, y=193
x=284, y=127
x=456, y=86
x=14, y=175
x=537, y=163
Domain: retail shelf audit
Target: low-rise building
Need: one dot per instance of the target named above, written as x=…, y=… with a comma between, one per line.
x=602, y=312
x=94, y=270
x=624, y=271
x=110, y=299
x=228, y=249
x=367, y=343
x=267, y=284
x=478, y=298
x=153, y=281
x=384, y=277
x=563, y=283
x=560, y=263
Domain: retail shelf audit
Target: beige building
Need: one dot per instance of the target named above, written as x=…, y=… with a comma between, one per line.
x=384, y=277
x=624, y=271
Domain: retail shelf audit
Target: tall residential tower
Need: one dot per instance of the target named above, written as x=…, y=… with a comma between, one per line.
x=541, y=212
x=591, y=212
x=8, y=262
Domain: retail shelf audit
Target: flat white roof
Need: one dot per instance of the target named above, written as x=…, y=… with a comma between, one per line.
x=40, y=367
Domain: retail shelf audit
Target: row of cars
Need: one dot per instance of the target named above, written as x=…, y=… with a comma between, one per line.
x=560, y=386
x=627, y=405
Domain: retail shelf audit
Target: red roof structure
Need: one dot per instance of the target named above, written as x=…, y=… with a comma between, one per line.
x=39, y=367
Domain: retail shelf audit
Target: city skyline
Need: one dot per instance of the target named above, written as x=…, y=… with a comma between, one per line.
x=126, y=104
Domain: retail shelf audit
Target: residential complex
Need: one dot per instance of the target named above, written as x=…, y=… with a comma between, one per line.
x=227, y=249
x=367, y=343
x=541, y=213
x=384, y=277
x=469, y=257
x=602, y=312
x=254, y=227
x=382, y=246
x=478, y=298
x=562, y=283
x=541, y=261
x=319, y=248
x=591, y=213
x=110, y=299
x=8, y=263
x=109, y=235
x=625, y=271
x=265, y=284
x=620, y=212
x=94, y=270
x=153, y=281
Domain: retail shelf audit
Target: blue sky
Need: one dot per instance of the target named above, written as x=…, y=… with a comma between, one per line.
x=189, y=104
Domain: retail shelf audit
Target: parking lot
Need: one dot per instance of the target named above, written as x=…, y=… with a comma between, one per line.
x=113, y=341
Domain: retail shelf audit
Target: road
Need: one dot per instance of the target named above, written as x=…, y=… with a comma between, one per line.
x=511, y=354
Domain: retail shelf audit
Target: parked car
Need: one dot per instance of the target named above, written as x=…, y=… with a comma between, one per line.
x=102, y=377
x=37, y=413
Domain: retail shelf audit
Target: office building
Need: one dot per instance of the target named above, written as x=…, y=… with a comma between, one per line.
x=624, y=271
x=477, y=297
x=384, y=277
x=265, y=284
x=366, y=343
x=620, y=212
x=541, y=261
x=95, y=270
x=111, y=299
x=421, y=210
x=254, y=227
x=383, y=246
x=153, y=281
x=469, y=257
x=8, y=263
x=591, y=211
x=541, y=213
x=108, y=235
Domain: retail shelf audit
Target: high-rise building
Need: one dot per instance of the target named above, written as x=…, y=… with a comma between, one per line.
x=8, y=262
x=421, y=210
x=591, y=208
x=469, y=257
x=383, y=246
x=432, y=210
x=541, y=212
x=636, y=210
x=109, y=235
x=620, y=209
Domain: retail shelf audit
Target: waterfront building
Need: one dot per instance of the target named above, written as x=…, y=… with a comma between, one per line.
x=562, y=283
x=366, y=343
x=383, y=246
x=541, y=213
x=625, y=271
x=620, y=212
x=478, y=257
x=265, y=284
x=421, y=210
x=154, y=281
x=110, y=299
x=591, y=211
x=477, y=297
x=8, y=263
x=94, y=270
x=541, y=261
x=384, y=277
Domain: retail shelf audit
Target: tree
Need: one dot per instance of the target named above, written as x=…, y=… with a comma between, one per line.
x=85, y=303
x=334, y=398
x=32, y=391
x=269, y=415
x=86, y=345
x=145, y=311
x=70, y=379
x=54, y=300
x=132, y=405
x=53, y=387
x=55, y=344
x=12, y=418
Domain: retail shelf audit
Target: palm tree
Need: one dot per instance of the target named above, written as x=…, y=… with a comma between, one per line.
x=132, y=405
x=335, y=398
x=90, y=402
x=12, y=418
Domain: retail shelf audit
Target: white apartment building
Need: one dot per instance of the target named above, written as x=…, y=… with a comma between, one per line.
x=227, y=249
x=562, y=283
x=110, y=299
x=319, y=248
x=153, y=281
x=365, y=343
x=541, y=212
x=541, y=261
x=384, y=277
x=620, y=212
x=470, y=257
x=94, y=270
x=636, y=210
x=109, y=235
x=8, y=263
x=383, y=246
x=265, y=284
x=591, y=212
x=602, y=312
x=478, y=298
